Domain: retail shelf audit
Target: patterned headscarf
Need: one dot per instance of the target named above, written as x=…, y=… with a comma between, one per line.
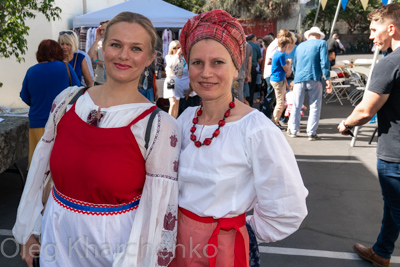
x=219, y=26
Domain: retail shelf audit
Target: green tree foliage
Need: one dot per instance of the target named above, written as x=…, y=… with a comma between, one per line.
x=325, y=17
x=253, y=9
x=13, y=30
x=245, y=9
x=194, y=6
x=354, y=15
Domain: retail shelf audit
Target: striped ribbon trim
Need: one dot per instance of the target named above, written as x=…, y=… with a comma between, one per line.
x=93, y=209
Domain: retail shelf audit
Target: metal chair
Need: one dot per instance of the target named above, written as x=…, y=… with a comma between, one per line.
x=359, y=84
x=339, y=89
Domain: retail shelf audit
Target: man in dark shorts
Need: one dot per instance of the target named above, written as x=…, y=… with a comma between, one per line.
x=383, y=97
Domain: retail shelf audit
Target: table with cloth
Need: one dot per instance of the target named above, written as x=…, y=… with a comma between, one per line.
x=14, y=141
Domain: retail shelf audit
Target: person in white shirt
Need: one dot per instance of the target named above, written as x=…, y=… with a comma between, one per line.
x=233, y=159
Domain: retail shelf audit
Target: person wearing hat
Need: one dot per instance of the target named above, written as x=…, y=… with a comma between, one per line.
x=233, y=159
x=311, y=68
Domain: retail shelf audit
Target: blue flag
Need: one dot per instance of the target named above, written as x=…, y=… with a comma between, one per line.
x=384, y=2
x=344, y=4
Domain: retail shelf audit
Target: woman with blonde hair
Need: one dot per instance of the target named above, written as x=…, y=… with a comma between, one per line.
x=69, y=44
x=171, y=92
x=114, y=163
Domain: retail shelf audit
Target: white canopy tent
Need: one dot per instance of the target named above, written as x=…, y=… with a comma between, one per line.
x=161, y=14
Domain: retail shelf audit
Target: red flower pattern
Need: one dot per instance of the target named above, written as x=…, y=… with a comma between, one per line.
x=164, y=257
x=92, y=117
x=169, y=221
x=176, y=165
x=174, y=140
x=53, y=107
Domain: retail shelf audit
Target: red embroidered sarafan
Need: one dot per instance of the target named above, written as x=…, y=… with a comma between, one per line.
x=97, y=165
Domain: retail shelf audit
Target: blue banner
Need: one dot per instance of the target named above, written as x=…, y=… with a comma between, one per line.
x=384, y=2
x=344, y=4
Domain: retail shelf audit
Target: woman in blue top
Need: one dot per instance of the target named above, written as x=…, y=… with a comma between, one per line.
x=278, y=81
x=42, y=83
x=69, y=44
x=291, y=49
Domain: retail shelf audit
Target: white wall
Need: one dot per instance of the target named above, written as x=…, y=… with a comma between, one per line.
x=12, y=73
x=101, y=4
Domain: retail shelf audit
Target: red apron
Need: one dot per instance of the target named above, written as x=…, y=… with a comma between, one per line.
x=225, y=224
x=97, y=165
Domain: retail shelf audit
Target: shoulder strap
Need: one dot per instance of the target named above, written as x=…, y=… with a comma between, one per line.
x=78, y=94
x=70, y=99
x=76, y=58
x=149, y=125
x=69, y=74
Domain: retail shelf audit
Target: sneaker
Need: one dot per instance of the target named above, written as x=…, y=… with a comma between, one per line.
x=313, y=137
x=290, y=134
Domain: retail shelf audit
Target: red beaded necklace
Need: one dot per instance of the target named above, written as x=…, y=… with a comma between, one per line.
x=221, y=123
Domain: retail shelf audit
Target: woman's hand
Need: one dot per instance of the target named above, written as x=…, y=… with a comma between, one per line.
x=98, y=34
x=29, y=250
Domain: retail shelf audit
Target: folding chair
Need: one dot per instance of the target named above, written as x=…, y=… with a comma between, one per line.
x=359, y=84
x=339, y=89
x=341, y=73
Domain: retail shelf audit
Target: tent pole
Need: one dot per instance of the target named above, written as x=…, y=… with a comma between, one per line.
x=298, y=19
x=375, y=58
x=299, y=22
x=334, y=20
x=316, y=15
x=84, y=5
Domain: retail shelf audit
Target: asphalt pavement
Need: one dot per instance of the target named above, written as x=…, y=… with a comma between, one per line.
x=345, y=203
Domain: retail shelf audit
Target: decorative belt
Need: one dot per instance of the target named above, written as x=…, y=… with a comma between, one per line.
x=225, y=224
x=93, y=209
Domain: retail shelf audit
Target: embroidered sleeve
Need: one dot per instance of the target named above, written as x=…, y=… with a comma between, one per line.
x=153, y=236
x=29, y=218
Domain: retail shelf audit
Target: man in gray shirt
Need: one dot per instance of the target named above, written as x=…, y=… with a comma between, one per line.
x=383, y=97
x=244, y=72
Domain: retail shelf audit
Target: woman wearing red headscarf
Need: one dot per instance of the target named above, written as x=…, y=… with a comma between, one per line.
x=233, y=158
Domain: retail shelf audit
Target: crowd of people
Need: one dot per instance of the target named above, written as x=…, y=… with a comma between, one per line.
x=111, y=171
x=285, y=60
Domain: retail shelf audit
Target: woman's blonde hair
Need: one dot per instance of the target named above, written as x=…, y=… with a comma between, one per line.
x=172, y=45
x=69, y=37
x=131, y=17
x=294, y=38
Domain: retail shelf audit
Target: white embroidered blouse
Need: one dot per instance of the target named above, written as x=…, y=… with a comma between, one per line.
x=155, y=219
x=248, y=166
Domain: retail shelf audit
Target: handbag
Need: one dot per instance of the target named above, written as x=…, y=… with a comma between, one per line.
x=171, y=84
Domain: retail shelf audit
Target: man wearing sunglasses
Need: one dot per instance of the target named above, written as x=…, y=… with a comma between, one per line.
x=96, y=54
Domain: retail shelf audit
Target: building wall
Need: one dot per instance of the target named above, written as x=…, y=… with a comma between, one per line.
x=259, y=28
x=12, y=73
